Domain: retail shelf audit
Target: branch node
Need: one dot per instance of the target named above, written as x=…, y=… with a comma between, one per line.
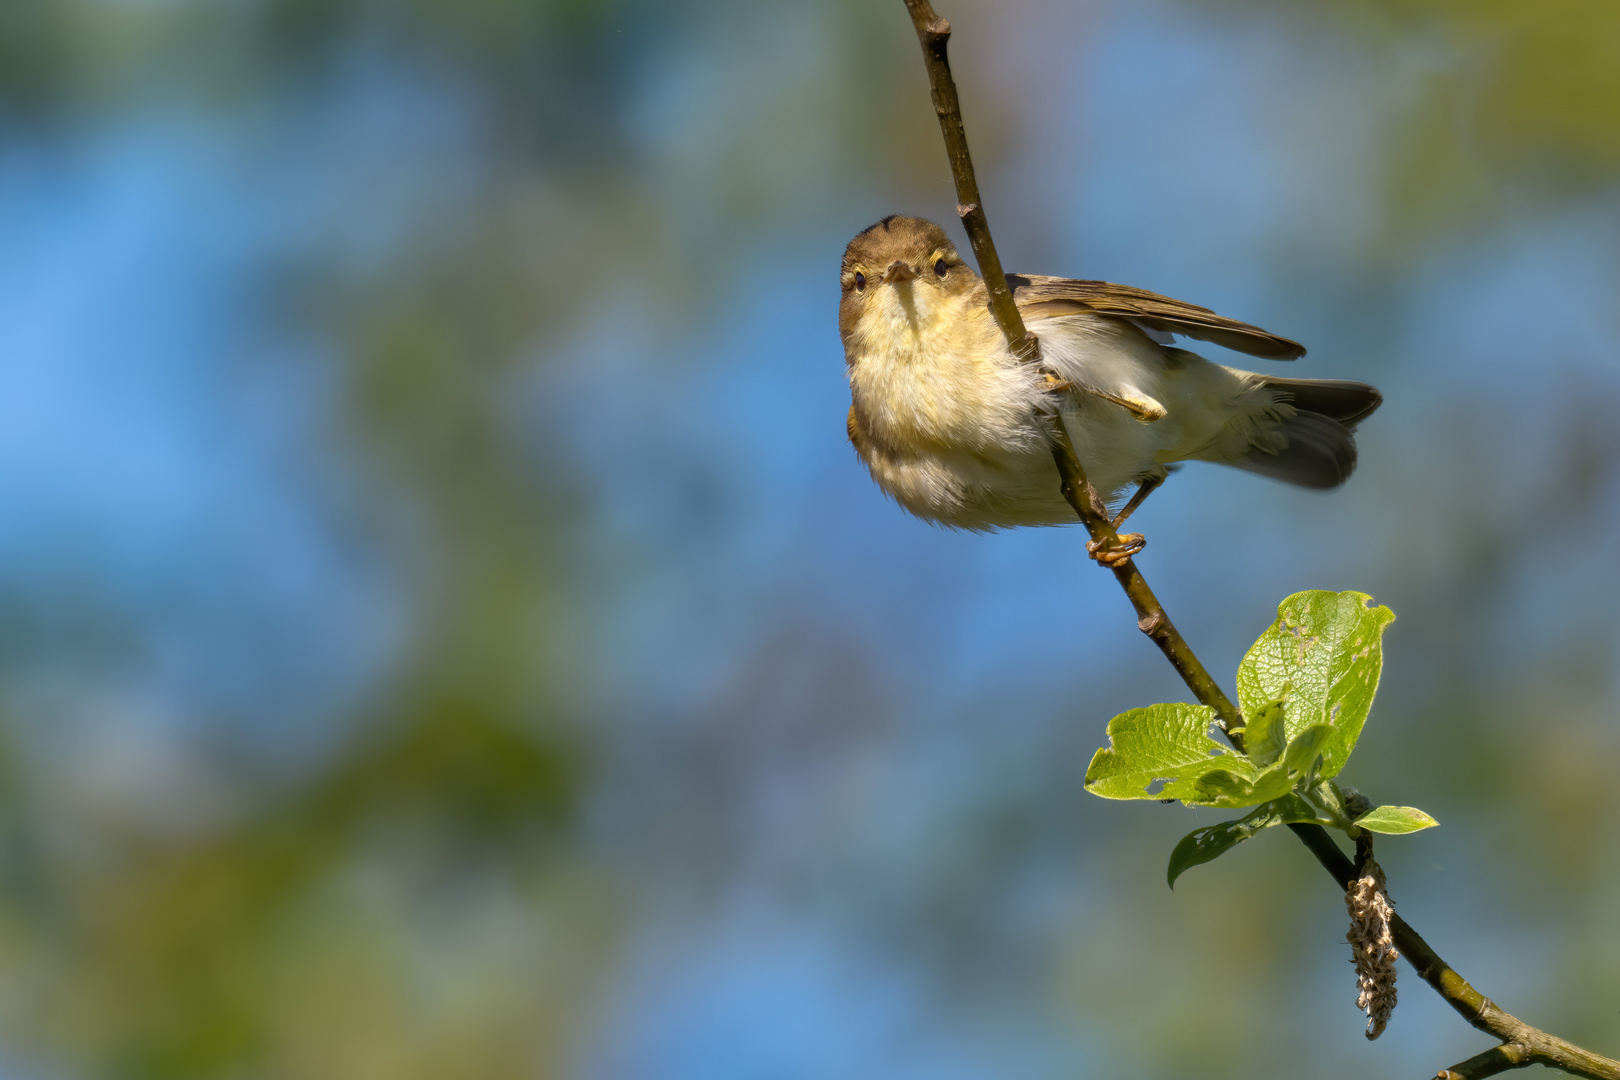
x=963, y=210
x=938, y=29
x=1150, y=623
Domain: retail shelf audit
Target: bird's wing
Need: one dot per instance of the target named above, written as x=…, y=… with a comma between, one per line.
x=1038, y=296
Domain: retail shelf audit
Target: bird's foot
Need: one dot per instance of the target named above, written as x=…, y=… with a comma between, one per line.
x=1115, y=551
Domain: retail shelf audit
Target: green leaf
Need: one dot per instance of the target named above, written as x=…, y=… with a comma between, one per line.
x=1161, y=742
x=1395, y=820
x=1212, y=841
x=1264, y=736
x=1321, y=659
x=1304, y=748
x=1171, y=744
x=1232, y=784
x=1328, y=802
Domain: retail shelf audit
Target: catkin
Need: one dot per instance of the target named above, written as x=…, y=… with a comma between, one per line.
x=1372, y=946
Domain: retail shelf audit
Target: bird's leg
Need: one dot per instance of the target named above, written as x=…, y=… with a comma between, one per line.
x=1147, y=487
x=1114, y=552
x=1146, y=411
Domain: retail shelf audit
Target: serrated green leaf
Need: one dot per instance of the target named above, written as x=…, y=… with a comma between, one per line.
x=1161, y=742
x=1171, y=744
x=1321, y=658
x=1395, y=820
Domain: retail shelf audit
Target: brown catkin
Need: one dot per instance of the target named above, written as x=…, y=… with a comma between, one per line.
x=1371, y=945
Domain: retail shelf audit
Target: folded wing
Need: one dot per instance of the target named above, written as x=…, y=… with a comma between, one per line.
x=1046, y=297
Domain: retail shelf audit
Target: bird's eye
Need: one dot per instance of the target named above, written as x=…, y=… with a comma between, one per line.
x=860, y=281
x=940, y=268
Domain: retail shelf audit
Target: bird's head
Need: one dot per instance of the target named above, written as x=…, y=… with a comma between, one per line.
x=899, y=278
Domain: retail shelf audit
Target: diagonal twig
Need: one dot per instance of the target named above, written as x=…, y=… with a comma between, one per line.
x=1521, y=1044
x=935, y=33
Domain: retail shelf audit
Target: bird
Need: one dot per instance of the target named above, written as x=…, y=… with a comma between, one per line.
x=955, y=426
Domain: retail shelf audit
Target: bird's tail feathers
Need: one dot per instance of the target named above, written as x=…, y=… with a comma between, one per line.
x=1321, y=453
x=1337, y=399
x=1318, y=447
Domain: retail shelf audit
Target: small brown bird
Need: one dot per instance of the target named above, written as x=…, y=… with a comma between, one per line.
x=946, y=416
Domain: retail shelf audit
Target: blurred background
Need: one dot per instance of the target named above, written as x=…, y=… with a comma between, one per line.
x=444, y=632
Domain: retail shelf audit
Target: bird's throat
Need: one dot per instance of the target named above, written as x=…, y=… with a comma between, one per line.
x=904, y=327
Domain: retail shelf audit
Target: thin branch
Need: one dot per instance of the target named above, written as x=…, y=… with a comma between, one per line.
x=1495, y=1060
x=1151, y=618
x=935, y=34
x=1533, y=1048
x=1521, y=1044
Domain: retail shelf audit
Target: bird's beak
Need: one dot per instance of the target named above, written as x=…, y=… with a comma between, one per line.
x=899, y=271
